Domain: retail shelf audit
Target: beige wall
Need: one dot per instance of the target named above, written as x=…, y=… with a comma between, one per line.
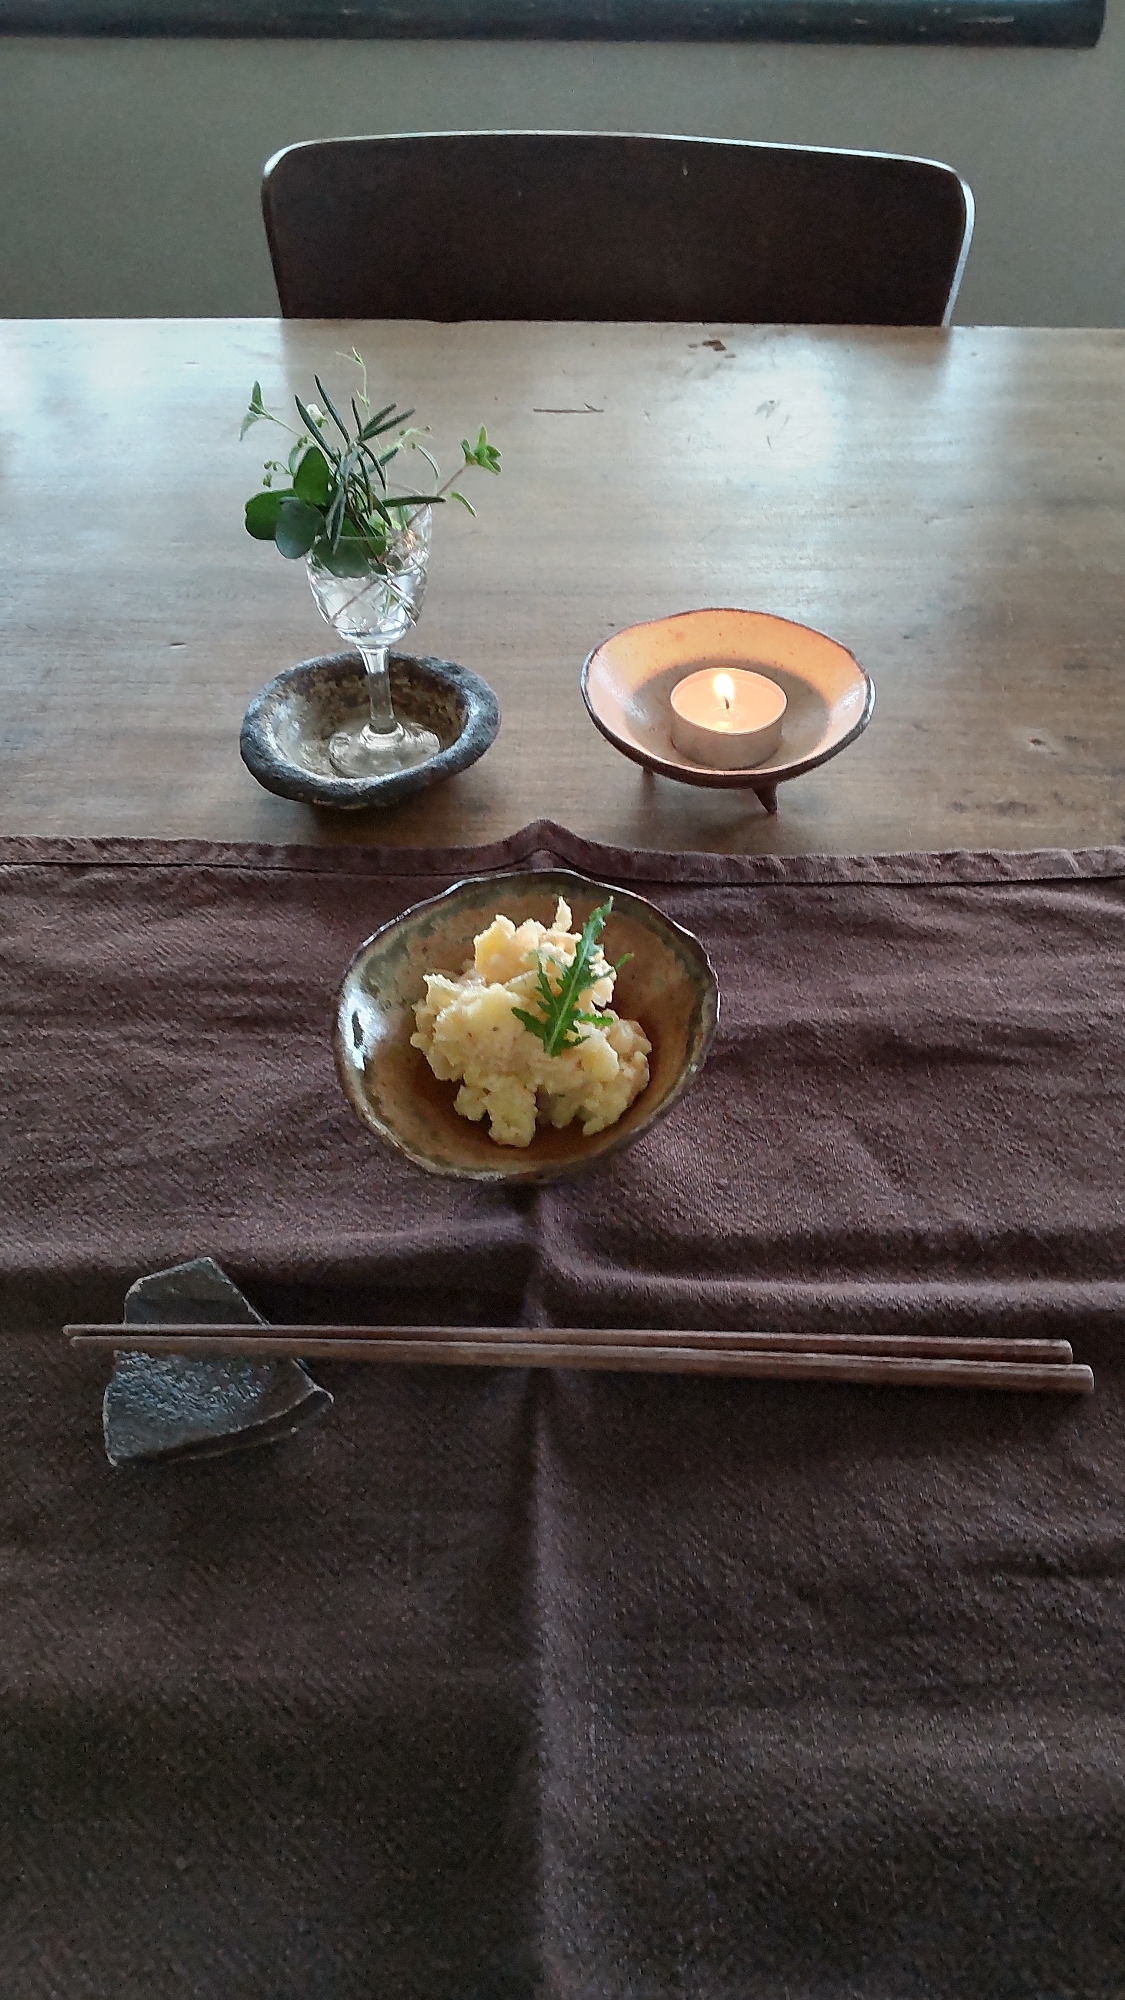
x=130, y=169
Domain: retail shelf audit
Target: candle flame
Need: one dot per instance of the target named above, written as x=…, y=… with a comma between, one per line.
x=724, y=689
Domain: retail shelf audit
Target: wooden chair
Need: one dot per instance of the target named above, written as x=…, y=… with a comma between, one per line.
x=592, y=226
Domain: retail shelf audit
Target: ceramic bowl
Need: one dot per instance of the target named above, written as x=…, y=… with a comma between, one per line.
x=667, y=985
x=627, y=684
x=286, y=728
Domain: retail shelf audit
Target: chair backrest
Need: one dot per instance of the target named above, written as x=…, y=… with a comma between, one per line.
x=602, y=226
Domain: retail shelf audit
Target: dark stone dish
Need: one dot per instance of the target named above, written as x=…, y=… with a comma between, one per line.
x=285, y=731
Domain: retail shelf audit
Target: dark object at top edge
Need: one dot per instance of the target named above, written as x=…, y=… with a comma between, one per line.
x=1075, y=24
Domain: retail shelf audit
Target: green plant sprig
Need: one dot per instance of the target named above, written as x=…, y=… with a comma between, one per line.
x=339, y=506
x=557, y=1026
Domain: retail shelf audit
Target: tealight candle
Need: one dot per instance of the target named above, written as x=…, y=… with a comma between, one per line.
x=731, y=719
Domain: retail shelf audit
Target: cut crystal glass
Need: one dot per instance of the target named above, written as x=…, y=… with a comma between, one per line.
x=373, y=606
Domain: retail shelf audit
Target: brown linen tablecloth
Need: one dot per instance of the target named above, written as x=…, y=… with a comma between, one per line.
x=493, y=1684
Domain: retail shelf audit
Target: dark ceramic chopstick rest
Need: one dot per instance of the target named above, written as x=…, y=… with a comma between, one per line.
x=174, y=1407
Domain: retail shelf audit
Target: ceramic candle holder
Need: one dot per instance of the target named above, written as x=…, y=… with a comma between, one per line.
x=628, y=681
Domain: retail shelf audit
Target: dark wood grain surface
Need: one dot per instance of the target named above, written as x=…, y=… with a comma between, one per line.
x=1039, y=23
x=951, y=506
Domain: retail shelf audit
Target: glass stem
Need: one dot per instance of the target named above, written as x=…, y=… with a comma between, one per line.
x=383, y=719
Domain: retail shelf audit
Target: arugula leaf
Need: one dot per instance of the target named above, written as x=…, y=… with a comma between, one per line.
x=557, y=1026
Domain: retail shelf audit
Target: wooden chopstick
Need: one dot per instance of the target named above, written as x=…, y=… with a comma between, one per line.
x=571, y=1348
x=932, y=1346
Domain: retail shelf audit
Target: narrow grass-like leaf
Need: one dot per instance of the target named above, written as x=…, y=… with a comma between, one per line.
x=372, y=425
x=375, y=429
x=317, y=431
x=332, y=410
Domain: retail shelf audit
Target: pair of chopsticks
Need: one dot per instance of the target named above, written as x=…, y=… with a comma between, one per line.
x=878, y=1360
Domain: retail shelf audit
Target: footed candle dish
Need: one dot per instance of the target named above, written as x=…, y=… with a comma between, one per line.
x=628, y=683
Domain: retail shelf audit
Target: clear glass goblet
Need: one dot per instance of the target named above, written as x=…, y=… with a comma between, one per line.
x=373, y=606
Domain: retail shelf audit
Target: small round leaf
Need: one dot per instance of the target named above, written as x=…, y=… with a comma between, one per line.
x=312, y=480
x=262, y=515
x=298, y=526
x=351, y=557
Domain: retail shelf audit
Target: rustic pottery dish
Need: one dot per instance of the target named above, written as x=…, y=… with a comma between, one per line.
x=667, y=985
x=288, y=725
x=627, y=684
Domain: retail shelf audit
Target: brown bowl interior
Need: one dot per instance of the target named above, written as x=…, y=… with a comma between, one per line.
x=628, y=682
x=667, y=986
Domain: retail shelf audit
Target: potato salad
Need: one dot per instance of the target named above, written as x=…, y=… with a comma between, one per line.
x=528, y=1031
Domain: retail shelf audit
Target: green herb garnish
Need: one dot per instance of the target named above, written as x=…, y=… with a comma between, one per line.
x=557, y=1027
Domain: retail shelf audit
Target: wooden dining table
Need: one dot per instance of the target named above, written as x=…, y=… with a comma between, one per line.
x=948, y=504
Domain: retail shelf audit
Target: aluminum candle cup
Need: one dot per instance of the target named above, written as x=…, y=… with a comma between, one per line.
x=730, y=720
